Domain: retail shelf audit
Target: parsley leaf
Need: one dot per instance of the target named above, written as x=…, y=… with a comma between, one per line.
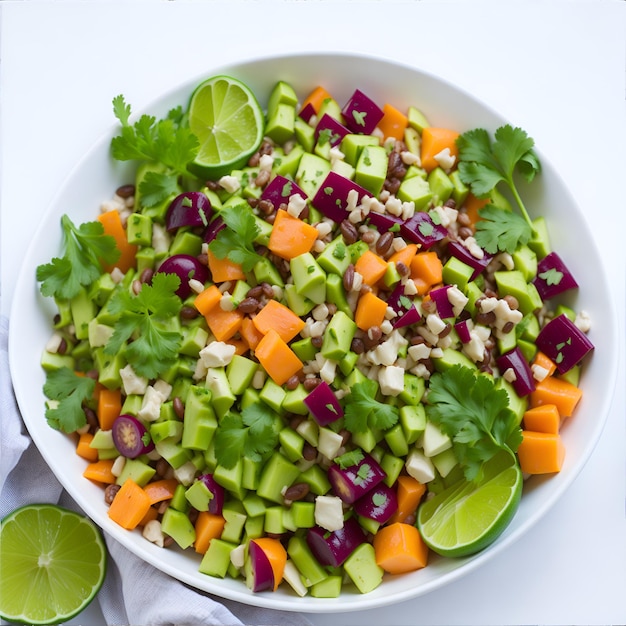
x=144, y=317
x=482, y=165
x=475, y=414
x=168, y=141
x=250, y=433
x=84, y=248
x=363, y=411
x=68, y=391
x=348, y=459
x=500, y=230
x=236, y=241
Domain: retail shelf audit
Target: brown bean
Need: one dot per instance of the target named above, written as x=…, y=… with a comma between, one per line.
x=368, y=236
x=311, y=383
x=91, y=417
x=357, y=346
x=296, y=492
x=402, y=269
x=508, y=327
x=348, y=277
x=162, y=467
x=110, y=492
x=266, y=207
x=248, y=305
x=309, y=452
x=146, y=275
x=374, y=333
x=486, y=319
x=62, y=349
x=383, y=244
x=392, y=185
x=268, y=291
x=512, y=302
x=292, y=383
x=255, y=292
x=125, y=191
x=188, y=312
x=179, y=407
x=263, y=177
x=317, y=341
x=137, y=285
x=465, y=232
x=349, y=232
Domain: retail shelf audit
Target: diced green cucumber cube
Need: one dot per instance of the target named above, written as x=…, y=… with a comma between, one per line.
x=200, y=423
x=136, y=470
x=216, y=559
x=362, y=568
x=177, y=525
x=278, y=474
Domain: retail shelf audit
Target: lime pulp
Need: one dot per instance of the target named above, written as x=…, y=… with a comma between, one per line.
x=52, y=564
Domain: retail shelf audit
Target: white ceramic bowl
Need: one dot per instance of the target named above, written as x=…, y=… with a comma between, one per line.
x=95, y=178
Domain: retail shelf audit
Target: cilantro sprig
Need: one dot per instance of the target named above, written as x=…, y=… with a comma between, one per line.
x=250, y=433
x=475, y=414
x=84, y=248
x=483, y=165
x=168, y=141
x=363, y=411
x=68, y=391
x=236, y=241
x=144, y=318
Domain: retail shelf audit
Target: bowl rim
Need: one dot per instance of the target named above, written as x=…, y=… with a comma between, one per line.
x=293, y=602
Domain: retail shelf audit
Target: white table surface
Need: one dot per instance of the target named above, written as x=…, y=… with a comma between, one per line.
x=555, y=68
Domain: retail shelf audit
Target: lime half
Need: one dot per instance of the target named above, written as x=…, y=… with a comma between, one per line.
x=52, y=564
x=229, y=123
x=468, y=516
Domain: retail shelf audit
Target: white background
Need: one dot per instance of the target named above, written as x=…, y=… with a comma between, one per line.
x=556, y=69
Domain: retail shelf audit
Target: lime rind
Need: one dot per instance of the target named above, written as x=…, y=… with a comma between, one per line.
x=228, y=121
x=52, y=564
x=467, y=517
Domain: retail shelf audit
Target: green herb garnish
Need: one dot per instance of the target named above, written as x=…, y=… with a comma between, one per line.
x=68, y=391
x=363, y=411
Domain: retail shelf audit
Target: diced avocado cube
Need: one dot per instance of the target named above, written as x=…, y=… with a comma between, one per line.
x=335, y=257
x=304, y=349
x=298, y=303
x=216, y=559
x=102, y=439
x=272, y=395
x=540, y=240
x=231, y=478
x=305, y=136
x=460, y=190
x=352, y=145
x=177, y=525
x=312, y=170
x=362, y=568
x=348, y=362
x=330, y=107
x=330, y=587
x=517, y=404
x=109, y=367
x=282, y=93
x=303, y=514
x=101, y=290
x=139, y=229
x=235, y=516
x=525, y=260
x=338, y=336
x=280, y=125
x=51, y=361
x=250, y=473
x=455, y=272
x=308, y=277
x=294, y=400
x=291, y=443
x=371, y=169
x=506, y=342
x=200, y=422
x=173, y=452
x=136, y=470
x=199, y=495
x=444, y=462
x=167, y=429
x=248, y=398
x=254, y=505
x=336, y=294
x=274, y=520
x=240, y=372
x=277, y=474
x=396, y=440
x=300, y=553
x=417, y=119
x=440, y=184
x=412, y=140
x=512, y=283
x=450, y=358
x=83, y=311
x=254, y=527
x=413, y=421
x=186, y=242
x=414, y=388
x=366, y=439
x=287, y=165
x=194, y=339
x=415, y=189
x=222, y=396
x=392, y=466
x=528, y=348
x=317, y=480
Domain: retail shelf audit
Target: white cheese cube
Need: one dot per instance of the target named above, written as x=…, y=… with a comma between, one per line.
x=329, y=512
x=217, y=354
x=391, y=380
x=434, y=441
x=419, y=466
x=132, y=383
x=329, y=442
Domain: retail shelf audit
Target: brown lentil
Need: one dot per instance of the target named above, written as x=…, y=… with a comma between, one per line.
x=512, y=302
x=383, y=243
x=263, y=177
x=368, y=236
x=266, y=207
x=357, y=346
x=348, y=277
x=317, y=342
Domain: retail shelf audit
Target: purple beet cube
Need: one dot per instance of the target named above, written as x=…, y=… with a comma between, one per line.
x=563, y=342
x=459, y=251
x=329, y=130
x=422, y=230
x=280, y=189
x=331, y=198
x=553, y=277
x=361, y=113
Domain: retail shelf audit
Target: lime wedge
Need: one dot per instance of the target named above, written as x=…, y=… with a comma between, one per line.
x=229, y=123
x=52, y=564
x=468, y=516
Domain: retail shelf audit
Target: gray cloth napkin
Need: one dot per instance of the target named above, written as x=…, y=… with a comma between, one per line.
x=134, y=592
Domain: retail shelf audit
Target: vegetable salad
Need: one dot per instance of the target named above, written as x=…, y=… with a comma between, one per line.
x=276, y=366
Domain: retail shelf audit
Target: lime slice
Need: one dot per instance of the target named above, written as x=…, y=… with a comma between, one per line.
x=229, y=123
x=468, y=516
x=52, y=564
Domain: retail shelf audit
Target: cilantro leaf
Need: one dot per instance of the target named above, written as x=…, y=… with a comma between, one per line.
x=236, y=241
x=348, y=459
x=482, y=165
x=501, y=231
x=475, y=414
x=144, y=317
x=68, y=391
x=250, y=433
x=84, y=249
x=168, y=141
x=363, y=411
